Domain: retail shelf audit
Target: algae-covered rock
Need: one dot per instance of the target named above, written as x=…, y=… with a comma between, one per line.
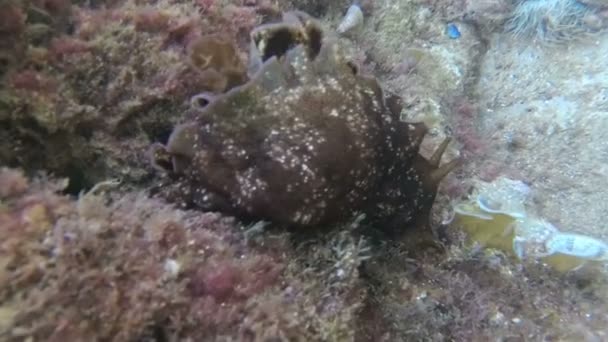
x=121, y=266
x=86, y=96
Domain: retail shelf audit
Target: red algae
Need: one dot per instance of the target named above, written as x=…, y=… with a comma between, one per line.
x=219, y=283
x=54, y=7
x=34, y=81
x=126, y=267
x=151, y=20
x=12, y=19
x=118, y=263
x=12, y=183
x=121, y=76
x=61, y=46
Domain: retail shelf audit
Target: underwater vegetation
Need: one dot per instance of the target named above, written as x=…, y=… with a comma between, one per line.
x=86, y=259
x=306, y=141
x=124, y=267
x=84, y=89
x=555, y=21
x=479, y=295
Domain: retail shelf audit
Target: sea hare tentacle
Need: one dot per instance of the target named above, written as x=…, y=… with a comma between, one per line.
x=440, y=173
x=436, y=157
x=306, y=140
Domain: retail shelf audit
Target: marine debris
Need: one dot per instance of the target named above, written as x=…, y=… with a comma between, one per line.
x=452, y=31
x=497, y=217
x=352, y=20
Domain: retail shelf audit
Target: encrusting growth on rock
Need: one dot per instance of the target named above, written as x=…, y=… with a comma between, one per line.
x=306, y=141
x=217, y=60
x=112, y=266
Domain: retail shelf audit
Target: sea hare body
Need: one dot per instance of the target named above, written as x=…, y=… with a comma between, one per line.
x=305, y=141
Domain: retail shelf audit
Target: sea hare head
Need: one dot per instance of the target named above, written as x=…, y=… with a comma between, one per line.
x=306, y=140
x=275, y=40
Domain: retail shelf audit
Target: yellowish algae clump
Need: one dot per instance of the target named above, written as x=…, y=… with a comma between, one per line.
x=498, y=217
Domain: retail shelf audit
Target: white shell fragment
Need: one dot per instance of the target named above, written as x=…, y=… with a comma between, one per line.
x=353, y=19
x=172, y=268
x=577, y=245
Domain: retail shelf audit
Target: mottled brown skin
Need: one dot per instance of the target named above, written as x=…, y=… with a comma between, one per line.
x=307, y=141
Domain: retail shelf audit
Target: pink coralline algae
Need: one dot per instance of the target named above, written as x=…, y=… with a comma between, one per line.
x=120, y=268
x=305, y=140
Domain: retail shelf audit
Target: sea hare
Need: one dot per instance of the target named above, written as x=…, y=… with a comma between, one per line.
x=305, y=141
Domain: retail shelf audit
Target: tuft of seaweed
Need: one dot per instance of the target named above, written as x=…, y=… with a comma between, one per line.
x=554, y=21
